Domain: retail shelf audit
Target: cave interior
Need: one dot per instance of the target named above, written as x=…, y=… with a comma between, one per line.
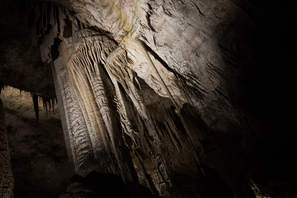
x=150, y=98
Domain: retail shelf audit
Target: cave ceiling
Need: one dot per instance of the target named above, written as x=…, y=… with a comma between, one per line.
x=175, y=95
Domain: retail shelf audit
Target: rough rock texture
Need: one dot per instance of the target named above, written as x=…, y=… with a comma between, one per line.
x=187, y=98
x=6, y=177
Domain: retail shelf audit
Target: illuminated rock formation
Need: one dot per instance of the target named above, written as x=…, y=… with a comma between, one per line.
x=162, y=93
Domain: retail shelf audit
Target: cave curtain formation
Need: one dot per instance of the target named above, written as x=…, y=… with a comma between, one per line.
x=179, y=96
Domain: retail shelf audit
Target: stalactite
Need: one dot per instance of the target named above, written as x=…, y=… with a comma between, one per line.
x=36, y=107
x=2, y=87
x=118, y=66
x=49, y=104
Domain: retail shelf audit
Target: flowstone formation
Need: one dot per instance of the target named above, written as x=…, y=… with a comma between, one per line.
x=166, y=94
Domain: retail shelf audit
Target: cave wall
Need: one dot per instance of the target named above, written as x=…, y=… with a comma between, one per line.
x=179, y=96
x=6, y=176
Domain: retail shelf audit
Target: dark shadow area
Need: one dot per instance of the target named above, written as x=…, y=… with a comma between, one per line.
x=55, y=49
x=221, y=189
x=223, y=173
x=96, y=185
x=265, y=36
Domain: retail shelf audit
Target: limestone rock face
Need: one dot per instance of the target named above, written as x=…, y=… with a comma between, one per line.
x=177, y=96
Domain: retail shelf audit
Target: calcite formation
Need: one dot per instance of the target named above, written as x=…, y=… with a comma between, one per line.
x=155, y=92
